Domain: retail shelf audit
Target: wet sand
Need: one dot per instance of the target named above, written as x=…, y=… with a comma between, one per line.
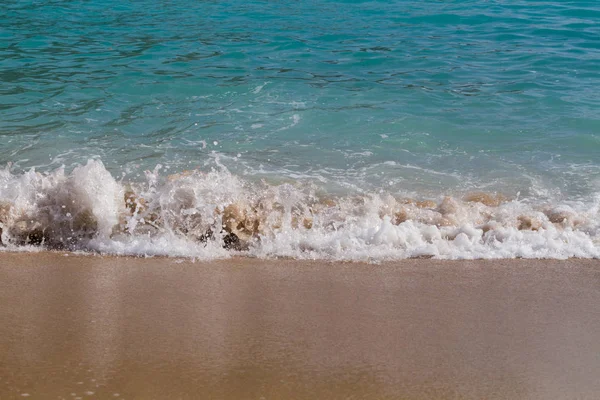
x=127, y=328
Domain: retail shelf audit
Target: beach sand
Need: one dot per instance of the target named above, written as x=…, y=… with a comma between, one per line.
x=131, y=328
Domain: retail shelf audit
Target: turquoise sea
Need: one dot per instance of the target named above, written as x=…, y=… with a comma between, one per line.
x=312, y=129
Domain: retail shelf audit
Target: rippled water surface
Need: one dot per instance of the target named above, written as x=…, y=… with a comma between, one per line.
x=406, y=98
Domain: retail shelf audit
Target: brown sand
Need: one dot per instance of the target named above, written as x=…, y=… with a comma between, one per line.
x=102, y=327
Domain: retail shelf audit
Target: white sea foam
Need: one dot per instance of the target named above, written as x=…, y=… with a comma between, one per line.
x=214, y=214
x=259, y=88
x=295, y=120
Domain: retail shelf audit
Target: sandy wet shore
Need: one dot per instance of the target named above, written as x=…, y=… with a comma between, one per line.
x=127, y=328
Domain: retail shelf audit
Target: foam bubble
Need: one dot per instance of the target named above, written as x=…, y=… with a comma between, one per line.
x=215, y=214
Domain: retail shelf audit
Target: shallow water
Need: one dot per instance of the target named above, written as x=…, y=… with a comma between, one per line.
x=336, y=99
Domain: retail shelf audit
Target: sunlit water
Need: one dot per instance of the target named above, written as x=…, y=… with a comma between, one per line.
x=362, y=107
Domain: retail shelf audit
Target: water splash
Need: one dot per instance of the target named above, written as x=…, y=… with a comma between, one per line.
x=215, y=214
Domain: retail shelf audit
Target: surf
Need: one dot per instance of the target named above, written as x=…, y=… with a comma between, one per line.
x=213, y=213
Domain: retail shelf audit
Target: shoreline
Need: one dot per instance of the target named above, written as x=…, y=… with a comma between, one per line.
x=276, y=259
x=144, y=328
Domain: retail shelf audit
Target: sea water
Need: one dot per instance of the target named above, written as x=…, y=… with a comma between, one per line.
x=367, y=130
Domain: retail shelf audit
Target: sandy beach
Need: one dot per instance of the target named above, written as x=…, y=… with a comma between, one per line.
x=77, y=326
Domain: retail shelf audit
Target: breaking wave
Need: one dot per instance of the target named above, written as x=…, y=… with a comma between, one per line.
x=215, y=214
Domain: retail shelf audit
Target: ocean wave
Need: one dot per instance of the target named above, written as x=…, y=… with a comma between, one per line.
x=216, y=214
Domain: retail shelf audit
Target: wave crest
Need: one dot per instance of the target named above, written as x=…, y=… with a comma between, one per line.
x=214, y=214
